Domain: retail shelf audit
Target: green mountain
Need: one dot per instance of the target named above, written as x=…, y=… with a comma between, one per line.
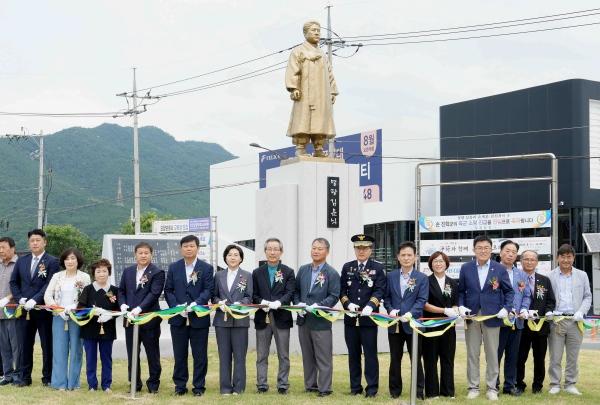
x=86, y=164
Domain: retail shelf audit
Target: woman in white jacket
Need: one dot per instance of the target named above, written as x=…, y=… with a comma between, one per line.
x=63, y=291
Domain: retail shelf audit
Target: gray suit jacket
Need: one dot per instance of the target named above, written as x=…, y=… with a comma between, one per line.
x=582, y=295
x=236, y=294
x=326, y=295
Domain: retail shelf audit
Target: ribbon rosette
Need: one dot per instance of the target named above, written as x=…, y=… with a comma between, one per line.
x=111, y=297
x=320, y=280
x=447, y=290
x=412, y=282
x=494, y=283
x=242, y=284
x=521, y=286
x=194, y=277
x=42, y=272
x=279, y=277
x=540, y=291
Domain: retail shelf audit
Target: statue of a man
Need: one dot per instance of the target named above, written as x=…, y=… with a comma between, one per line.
x=311, y=84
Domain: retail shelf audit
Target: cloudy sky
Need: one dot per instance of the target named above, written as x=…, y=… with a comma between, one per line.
x=74, y=56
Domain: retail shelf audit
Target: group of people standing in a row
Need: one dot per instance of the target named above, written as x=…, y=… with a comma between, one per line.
x=484, y=288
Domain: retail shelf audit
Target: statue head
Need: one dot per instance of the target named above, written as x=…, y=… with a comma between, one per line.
x=312, y=31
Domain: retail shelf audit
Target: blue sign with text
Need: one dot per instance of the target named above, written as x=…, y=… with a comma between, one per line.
x=364, y=149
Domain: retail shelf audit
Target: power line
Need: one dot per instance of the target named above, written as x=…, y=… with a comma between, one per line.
x=224, y=82
x=114, y=114
x=473, y=26
x=476, y=36
x=129, y=94
x=478, y=29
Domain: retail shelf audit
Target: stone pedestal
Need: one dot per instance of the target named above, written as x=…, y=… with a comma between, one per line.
x=293, y=208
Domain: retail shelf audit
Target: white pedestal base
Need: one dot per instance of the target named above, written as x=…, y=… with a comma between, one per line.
x=293, y=208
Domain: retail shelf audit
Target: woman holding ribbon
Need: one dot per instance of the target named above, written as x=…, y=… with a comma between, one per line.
x=99, y=334
x=63, y=292
x=442, y=302
x=232, y=286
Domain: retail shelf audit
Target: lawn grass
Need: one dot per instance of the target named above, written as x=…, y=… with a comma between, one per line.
x=589, y=384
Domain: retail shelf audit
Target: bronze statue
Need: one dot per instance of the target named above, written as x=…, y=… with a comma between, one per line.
x=311, y=84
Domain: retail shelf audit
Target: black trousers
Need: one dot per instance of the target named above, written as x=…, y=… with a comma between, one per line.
x=150, y=338
x=442, y=349
x=539, y=343
x=396, y=341
x=183, y=337
x=40, y=322
x=358, y=340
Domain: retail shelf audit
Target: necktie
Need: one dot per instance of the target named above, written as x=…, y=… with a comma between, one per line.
x=532, y=284
x=361, y=267
x=271, y=277
x=34, y=265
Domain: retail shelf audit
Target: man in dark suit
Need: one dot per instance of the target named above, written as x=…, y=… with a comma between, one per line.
x=317, y=284
x=139, y=290
x=362, y=288
x=483, y=289
x=511, y=336
x=190, y=282
x=274, y=285
x=542, y=303
x=406, y=294
x=28, y=283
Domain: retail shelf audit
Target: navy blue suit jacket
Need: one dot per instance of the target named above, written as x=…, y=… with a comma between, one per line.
x=487, y=300
x=145, y=297
x=178, y=291
x=23, y=285
x=413, y=301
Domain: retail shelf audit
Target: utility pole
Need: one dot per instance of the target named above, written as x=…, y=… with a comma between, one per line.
x=40, y=218
x=329, y=58
x=136, y=163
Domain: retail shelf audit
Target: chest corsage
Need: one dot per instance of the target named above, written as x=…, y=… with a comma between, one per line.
x=494, y=283
x=242, y=284
x=447, y=290
x=411, y=283
x=540, y=290
x=320, y=280
x=193, y=277
x=111, y=297
x=279, y=276
x=143, y=280
x=366, y=278
x=79, y=287
x=521, y=286
x=42, y=272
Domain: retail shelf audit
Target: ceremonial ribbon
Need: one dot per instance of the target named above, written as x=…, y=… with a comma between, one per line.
x=82, y=316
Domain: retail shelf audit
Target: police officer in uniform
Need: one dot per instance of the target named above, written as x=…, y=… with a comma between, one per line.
x=363, y=284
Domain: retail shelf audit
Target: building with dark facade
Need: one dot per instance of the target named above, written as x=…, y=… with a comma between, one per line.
x=562, y=118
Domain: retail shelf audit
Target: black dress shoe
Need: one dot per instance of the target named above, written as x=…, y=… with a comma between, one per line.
x=198, y=393
x=22, y=384
x=324, y=394
x=312, y=390
x=370, y=395
x=262, y=390
x=356, y=392
x=4, y=381
x=45, y=383
x=153, y=391
x=395, y=395
x=282, y=391
x=536, y=390
x=180, y=392
x=421, y=396
x=513, y=391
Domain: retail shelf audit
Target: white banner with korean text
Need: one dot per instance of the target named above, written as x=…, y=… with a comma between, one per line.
x=482, y=222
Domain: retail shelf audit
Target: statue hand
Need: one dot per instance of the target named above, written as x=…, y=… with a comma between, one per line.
x=295, y=95
x=333, y=99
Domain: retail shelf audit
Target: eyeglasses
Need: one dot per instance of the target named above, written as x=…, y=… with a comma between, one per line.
x=272, y=249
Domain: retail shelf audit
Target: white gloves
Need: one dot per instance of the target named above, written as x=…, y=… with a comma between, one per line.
x=368, y=310
x=69, y=308
x=533, y=314
x=22, y=301
x=274, y=305
x=578, y=316
x=184, y=314
x=104, y=318
x=464, y=311
x=267, y=303
x=64, y=316
x=302, y=305
x=4, y=301
x=134, y=312
x=549, y=315
x=557, y=313
x=190, y=308
x=450, y=312
x=99, y=311
x=503, y=313
x=124, y=307
x=353, y=307
x=29, y=305
x=524, y=313
x=393, y=312
x=406, y=317
x=310, y=307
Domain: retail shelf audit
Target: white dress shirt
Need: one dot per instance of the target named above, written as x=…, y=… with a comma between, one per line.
x=231, y=275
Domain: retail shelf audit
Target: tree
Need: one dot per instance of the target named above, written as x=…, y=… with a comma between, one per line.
x=146, y=224
x=61, y=237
